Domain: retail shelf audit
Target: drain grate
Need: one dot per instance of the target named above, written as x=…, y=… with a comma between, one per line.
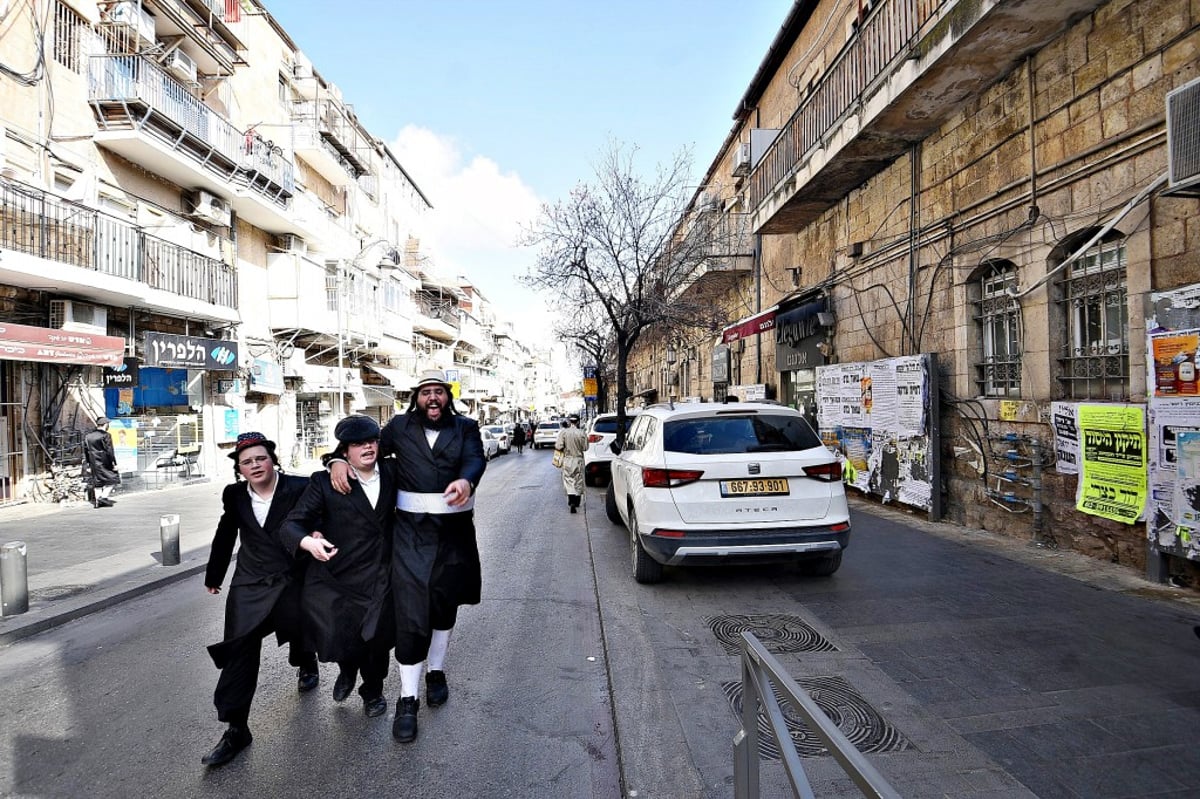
x=862, y=724
x=778, y=632
x=57, y=592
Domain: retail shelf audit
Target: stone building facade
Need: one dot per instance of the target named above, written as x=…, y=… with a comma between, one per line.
x=984, y=181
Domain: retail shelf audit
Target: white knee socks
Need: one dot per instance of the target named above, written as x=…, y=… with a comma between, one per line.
x=437, y=649
x=410, y=678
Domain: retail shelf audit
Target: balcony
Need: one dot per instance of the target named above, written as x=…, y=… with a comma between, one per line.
x=297, y=302
x=911, y=66
x=52, y=245
x=153, y=120
x=436, y=318
x=339, y=136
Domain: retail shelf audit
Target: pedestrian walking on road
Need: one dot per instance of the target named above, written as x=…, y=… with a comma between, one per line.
x=347, y=604
x=435, y=557
x=518, y=438
x=571, y=443
x=101, y=463
x=264, y=594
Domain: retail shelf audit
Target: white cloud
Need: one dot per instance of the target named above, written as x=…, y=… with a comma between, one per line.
x=478, y=214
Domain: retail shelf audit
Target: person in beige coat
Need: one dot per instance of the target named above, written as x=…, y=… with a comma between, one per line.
x=571, y=443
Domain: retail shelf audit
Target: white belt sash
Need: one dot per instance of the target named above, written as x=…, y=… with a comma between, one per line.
x=414, y=502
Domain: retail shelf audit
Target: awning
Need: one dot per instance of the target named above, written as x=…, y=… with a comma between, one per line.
x=48, y=345
x=750, y=326
x=400, y=379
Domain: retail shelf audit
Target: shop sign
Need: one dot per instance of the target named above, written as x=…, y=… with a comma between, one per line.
x=797, y=334
x=266, y=377
x=751, y=326
x=190, y=352
x=48, y=345
x=127, y=374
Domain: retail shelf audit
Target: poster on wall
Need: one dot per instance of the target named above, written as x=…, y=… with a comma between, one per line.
x=1066, y=437
x=1187, y=486
x=1173, y=363
x=124, y=435
x=1112, y=482
x=877, y=415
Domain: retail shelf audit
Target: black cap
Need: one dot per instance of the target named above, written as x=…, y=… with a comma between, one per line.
x=356, y=429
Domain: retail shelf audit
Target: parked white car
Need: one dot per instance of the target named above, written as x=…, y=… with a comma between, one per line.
x=545, y=434
x=502, y=436
x=597, y=458
x=491, y=447
x=735, y=482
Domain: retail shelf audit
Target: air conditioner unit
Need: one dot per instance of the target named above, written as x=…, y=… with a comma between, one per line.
x=202, y=205
x=1183, y=139
x=181, y=65
x=293, y=244
x=741, y=160
x=134, y=19
x=707, y=201
x=78, y=317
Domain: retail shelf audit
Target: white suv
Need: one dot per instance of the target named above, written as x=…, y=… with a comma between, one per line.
x=597, y=458
x=546, y=434
x=737, y=482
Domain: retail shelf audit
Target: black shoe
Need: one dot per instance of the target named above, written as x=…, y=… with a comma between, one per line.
x=104, y=503
x=404, y=726
x=436, y=690
x=307, y=680
x=343, y=686
x=375, y=706
x=573, y=509
x=233, y=741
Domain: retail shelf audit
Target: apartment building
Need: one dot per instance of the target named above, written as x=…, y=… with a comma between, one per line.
x=986, y=208
x=198, y=237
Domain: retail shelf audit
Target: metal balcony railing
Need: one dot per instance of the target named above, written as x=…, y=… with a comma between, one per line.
x=38, y=223
x=123, y=88
x=884, y=38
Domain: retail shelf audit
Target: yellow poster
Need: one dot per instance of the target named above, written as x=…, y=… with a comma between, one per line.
x=1008, y=410
x=1113, y=476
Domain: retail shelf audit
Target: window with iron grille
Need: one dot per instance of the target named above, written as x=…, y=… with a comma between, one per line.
x=1096, y=357
x=331, y=286
x=999, y=319
x=69, y=31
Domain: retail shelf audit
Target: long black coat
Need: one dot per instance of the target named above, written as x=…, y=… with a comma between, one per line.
x=100, y=459
x=436, y=556
x=266, y=580
x=346, y=599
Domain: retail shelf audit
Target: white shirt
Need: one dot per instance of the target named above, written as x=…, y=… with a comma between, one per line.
x=370, y=484
x=261, y=505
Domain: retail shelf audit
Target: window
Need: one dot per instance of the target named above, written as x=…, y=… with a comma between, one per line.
x=999, y=317
x=1096, y=356
x=69, y=30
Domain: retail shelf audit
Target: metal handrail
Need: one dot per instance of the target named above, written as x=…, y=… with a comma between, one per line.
x=761, y=672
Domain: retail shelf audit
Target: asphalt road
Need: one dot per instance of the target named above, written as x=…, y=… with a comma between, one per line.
x=964, y=666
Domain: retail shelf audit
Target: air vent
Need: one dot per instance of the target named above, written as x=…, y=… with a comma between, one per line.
x=1183, y=139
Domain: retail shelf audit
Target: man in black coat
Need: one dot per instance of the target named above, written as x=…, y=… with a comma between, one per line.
x=347, y=605
x=101, y=464
x=435, y=557
x=264, y=594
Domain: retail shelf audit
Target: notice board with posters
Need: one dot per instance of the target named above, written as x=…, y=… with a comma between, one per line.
x=1173, y=410
x=882, y=416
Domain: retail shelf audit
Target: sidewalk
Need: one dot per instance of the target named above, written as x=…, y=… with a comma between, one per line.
x=82, y=559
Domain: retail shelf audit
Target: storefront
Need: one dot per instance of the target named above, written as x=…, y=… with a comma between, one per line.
x=802, y=344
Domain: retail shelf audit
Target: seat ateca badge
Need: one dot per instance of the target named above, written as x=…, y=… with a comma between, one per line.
x=753, y=468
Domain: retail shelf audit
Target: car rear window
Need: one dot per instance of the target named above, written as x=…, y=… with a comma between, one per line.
x=739, y=434
x=548, y=426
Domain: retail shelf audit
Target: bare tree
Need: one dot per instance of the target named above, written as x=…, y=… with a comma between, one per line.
x=631, y=245
x=588, y=329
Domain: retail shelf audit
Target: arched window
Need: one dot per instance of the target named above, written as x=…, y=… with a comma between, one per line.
x=999, y=318
x=1096, y=314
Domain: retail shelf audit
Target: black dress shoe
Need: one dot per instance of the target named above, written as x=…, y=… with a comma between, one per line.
x=104, y=503
x=307, y=681
x=233, y=741
x=404, y=726
x=343, y=686
x=375, y=706
x=436, y=690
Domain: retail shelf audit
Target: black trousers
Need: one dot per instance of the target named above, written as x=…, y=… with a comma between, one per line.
x=239, y=678
x=373, y=666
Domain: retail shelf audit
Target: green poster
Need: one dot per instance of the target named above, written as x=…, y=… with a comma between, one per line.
x=1113, y=475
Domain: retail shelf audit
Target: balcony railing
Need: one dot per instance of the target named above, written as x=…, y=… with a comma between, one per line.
x=39, y=224
x=884, y=37
x=130, y=92
x=331, y=120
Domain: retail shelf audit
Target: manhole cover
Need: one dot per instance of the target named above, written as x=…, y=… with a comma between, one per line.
x=778, y=632
x=57, y=592
x=867, y=730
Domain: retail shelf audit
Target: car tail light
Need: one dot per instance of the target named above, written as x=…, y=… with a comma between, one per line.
x=594, y=437
x=669, y=478
x=825, y=472
x=840, y=527
x=669, y=533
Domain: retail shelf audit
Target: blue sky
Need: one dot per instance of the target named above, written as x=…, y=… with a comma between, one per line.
x=499, y=106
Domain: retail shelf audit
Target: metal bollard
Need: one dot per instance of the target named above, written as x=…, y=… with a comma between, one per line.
x=14, y=579
x=168, y=529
